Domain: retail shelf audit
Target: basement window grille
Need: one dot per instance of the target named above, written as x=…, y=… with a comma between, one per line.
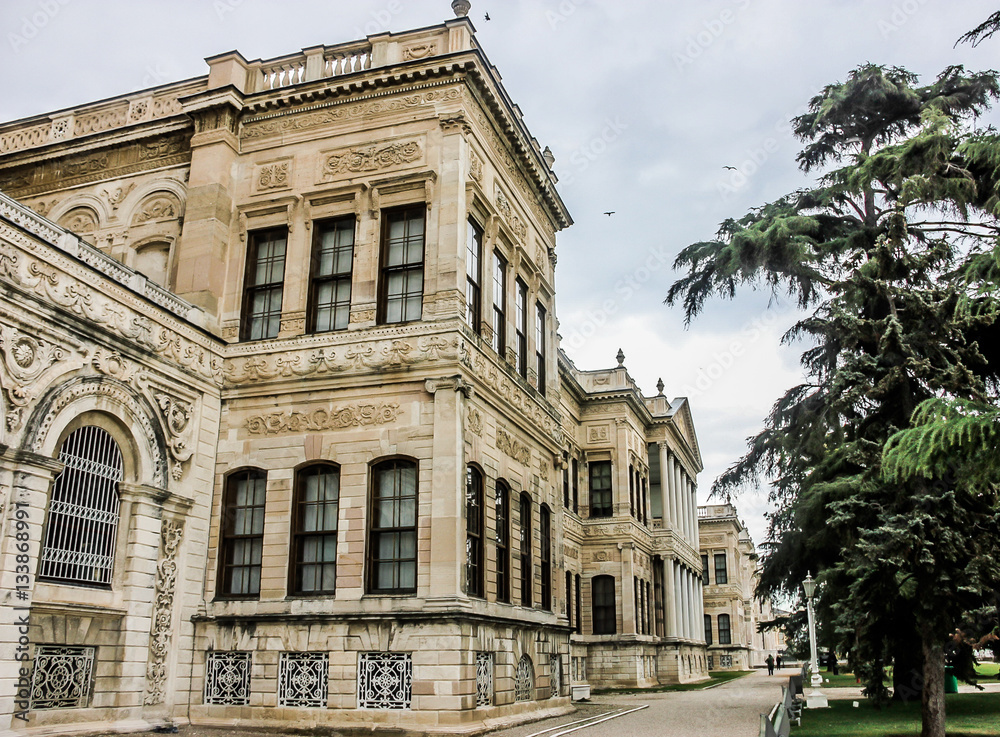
x=385, y=681
x=62, y=677
x=524, y=680
x=302, y=679
x=555, y=676
x=484, y=679
x=227, y=678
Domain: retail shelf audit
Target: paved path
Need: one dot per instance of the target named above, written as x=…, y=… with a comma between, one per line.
x=730, y=710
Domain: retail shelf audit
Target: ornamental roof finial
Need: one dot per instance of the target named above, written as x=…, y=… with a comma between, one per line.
x=461, y=8
x=621, y=358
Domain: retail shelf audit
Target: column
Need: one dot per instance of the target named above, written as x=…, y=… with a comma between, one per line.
x=679, y=520
x=667, y=486
x=700, y=601
x=670, y=590
x=692, y=513
x=629, y=619
x=686, y=582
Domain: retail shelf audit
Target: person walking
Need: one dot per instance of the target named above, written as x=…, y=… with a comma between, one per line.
x=770, y=664
x=777, y=663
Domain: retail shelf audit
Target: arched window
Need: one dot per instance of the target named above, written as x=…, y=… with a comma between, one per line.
x=545, y=557
x=708, y=629
x=314, y=530
x=242, y=544
x=526, y=550
x=725, y=635
x=475, y=580
x=83, y=512
x=524, y=680
x=392, y=543
x=502, y=503
x=602, y=591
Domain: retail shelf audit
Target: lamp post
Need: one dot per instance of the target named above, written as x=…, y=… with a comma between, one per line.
x=815, y=700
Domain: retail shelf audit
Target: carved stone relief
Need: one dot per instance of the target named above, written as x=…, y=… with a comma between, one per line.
x=507, y=443
x=163, y=610
x=366, y=159
x=597, y=434
x=419, y=51
x=274, y=176
x=323, y=418
x=116, y=195
x=158, y=207
x=475, y=421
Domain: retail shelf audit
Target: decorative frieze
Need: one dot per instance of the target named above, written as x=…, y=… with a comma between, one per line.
x=163, y=609
x=597, y=434
x=274, y=176
x=514, y=220
x=323, y=418
x=507, y=443
x=367, y=159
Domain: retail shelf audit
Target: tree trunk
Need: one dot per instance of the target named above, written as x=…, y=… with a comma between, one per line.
x=932, y=696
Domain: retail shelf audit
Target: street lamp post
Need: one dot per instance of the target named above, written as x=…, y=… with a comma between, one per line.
x=815, y=700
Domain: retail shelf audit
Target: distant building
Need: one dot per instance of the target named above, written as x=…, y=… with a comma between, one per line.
x=288, y=437
x=732, y=613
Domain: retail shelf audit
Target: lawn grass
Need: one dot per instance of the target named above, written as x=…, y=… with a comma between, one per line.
x=714, y=680
x=969, y=715
x=988, y=670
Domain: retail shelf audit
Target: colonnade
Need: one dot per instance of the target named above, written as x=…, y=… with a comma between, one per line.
x=680, y=497
x=685, y=606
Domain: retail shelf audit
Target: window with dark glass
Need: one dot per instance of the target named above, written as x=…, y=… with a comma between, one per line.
x=704, y=569
x=708, y=629
x=576, y=486
x=545, y=555
x=602, y=589
x=401, y=282
x=330, y=275
x=475, y=579
x=502, y=502
x=659, y=610
x=565, y=484
x=579, y=604
x=473, y=275
x=242, y=543
x=525, y=514
x=499, y=305
x=645, y=500
x=392, y=540
x=569, y=598
x=314, y=530
x=721, y=574
x=521, y=327
x=540, y=345
x=601, y=503
x=725, y=634
x=263, y=284
x=631, y=490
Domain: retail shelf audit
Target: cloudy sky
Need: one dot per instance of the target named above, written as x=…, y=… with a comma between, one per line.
x=643, y=103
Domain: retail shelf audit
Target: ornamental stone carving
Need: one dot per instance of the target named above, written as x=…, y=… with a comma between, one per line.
x=28, y=364
x=323, y=418
x=161, y=207
x=163, y=611
x=597, y=434
x=274, y=176
x=476, y=421
x=419, y=51
x=507, y=443
x=116, y=195
x=177, y=416
x=370, y=158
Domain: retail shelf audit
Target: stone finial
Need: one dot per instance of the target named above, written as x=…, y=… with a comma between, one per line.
x=621, y=358
x=549, y=157
x=461, y=8
x=659, y=387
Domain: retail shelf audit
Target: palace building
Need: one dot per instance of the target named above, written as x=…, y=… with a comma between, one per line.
x=288, y=437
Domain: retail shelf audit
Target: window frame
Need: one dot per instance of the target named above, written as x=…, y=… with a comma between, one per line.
x=725, y=633
x=502, y=538
x=247, y=318
x=721, y=580
x=708, y=629
x=521, y=327
x=385, y=271
x=607, y=508
x=227, y=538
x=474, y=276
x=545, y=555
x=541, y=352
x=475, y=540
x=316, y=281
x=374, y=535
x=300, y=536
x=527, y=570
x=704, y=569
x=603, y=612
x=499, y=307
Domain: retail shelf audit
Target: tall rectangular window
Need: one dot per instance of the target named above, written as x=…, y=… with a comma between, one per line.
x=631, y=490
x=708, y=629
x=721, y=574
x=602, y=592
x=576, y=486
x=725, y=633
x=401, y=283
x=521, y=327
x=502, y=502
x=540, y=345
x=263, y=284
x=601, y=502
x=242, y=544
x=473, y=276
x=526, y=572
x=545, y=557
x=314, y=530
x=565, y=484
x=392, y=543
x=659, y=606
x=569, y=598
x=499, y=305
x=578, y=585
x=475, y=579
x=704, y=569
x=330, y=275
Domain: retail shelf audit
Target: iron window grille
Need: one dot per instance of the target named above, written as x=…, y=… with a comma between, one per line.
x=314, y=530
x=725, y=661
x=526, y=572
x=401, y=286
x=475, y=527
x=302, y=679
x=385, y=680
x=555, y=676
x=484, y=679
x=62, y=677
x=473, y=275
x=242, y=543
x=502, y=504
x=264, y=284
x=603, y=604
x=83, y=515
x=499, y=305
x=330, y=275
x=601, y=501
x=524, y=680
x=227, y=677
x=392, y=546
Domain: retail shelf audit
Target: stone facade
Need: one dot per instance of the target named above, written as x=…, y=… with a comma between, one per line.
x=298, y=316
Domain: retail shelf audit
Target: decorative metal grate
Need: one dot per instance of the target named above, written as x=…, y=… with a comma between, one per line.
x=385, y=680
x=302, y=679
x=227, y=678
x=83, y=512
x=711, y=662
x=725, y=661
x=524, y=680
x=555, y=676
x=62, y=677
x=484, y=679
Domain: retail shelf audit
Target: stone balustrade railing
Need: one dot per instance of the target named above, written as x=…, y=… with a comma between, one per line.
x=310, y=65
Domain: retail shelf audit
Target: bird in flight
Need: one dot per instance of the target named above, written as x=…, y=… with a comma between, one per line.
x=609, y=214
x=730, y=167
x=487, y=16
